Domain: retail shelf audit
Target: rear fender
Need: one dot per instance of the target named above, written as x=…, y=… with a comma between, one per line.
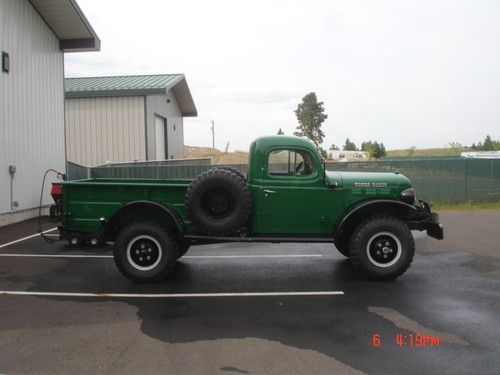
x=143, y=210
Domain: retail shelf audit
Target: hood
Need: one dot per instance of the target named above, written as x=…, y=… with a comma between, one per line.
x=368, y=180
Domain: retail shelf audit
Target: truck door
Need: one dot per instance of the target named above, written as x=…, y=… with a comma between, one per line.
x=293, y=194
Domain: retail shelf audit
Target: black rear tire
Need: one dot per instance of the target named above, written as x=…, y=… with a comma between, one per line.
x=145, y=252
x=219, y=202
x=184, y=246
x=382, y=248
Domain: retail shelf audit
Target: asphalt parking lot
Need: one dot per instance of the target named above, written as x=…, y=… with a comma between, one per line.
x=225, y=322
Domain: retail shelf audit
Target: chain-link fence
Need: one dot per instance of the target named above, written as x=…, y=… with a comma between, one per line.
x=434, y=179
x=440, y=179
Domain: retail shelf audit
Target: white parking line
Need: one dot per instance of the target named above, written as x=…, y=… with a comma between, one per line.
x=56, y=255
x=170, y=295
x=26, y=238
x=185, y=257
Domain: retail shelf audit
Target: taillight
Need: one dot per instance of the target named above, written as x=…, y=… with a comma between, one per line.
x=56, y=191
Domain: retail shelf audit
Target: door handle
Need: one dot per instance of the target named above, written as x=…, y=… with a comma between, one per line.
x=267, y=192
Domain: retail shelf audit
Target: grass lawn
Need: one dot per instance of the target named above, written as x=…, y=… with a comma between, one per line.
x=466, y=206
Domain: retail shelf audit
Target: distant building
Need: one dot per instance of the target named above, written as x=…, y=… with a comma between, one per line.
x=481, y=154
x=34, y=35
x=348, y=155
x=126, y=118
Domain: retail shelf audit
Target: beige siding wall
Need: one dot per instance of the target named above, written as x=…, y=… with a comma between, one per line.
x=105, y=129
x=31, y=106
x=157, y=104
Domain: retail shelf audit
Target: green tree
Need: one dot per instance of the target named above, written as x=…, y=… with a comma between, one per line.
x=367, y=147
x=349, y=146
x=455, y=148
x=374, y=149
x=323, y=152
x=333, y=147
x=311, y=115
x=281, y=132
x=488, y=144
x=411, y=151
x=380, y=150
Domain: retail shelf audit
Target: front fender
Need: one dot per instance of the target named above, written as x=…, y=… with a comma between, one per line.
x=364, y=208
x=418, y=217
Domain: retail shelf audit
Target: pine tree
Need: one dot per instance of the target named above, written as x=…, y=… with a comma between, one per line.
x=310, y=115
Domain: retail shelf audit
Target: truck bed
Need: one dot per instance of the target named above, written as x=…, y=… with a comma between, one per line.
x=87, y=201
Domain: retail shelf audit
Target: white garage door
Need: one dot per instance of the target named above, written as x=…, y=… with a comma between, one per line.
x=160, y=126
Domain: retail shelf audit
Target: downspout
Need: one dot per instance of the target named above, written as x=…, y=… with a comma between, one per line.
x=13, y=204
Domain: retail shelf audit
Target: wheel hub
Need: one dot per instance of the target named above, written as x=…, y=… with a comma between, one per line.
x=144, y=252
x=383, y=249
x=218, y=203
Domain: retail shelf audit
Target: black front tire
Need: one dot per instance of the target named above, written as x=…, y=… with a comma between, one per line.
x=145, y=252
x=382, y=248
x=342, y=247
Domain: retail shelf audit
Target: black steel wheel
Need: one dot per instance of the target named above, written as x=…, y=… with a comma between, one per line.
x=382, y=248
x=145, y=252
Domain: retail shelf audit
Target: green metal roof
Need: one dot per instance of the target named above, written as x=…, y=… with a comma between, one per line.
x=120, y=83
x=86, y=87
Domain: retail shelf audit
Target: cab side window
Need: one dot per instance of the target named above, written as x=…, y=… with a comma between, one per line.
x=289, y=163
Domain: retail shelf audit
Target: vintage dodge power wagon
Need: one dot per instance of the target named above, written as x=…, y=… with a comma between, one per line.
x=287, y=196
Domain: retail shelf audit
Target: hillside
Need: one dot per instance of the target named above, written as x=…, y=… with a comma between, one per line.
x=241, y=157
x=218, y=157
x=427, y=152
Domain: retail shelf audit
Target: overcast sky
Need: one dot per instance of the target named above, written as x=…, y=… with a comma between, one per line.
x=421, y=73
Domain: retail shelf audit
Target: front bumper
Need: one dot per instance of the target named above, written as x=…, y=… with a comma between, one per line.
x=424, y=219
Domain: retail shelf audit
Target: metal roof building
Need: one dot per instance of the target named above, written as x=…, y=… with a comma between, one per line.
x=125, y=118
x=33, y=38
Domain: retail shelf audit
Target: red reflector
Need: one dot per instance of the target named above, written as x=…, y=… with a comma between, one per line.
x=56, y=191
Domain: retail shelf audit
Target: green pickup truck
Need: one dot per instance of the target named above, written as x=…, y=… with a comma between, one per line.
x=287, y=196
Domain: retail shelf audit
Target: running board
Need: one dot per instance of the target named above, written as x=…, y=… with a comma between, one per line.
x=209, y=239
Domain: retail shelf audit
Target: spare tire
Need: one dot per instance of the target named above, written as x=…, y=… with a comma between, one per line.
x=219, y=202
x=234, y=170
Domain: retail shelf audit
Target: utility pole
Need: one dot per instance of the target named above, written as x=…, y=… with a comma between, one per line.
x=213, y=135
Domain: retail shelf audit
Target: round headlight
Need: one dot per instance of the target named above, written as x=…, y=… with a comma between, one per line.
x=408, y=195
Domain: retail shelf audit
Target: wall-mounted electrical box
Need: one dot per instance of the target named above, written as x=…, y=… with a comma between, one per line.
x=5, y=62
x=12, y=169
